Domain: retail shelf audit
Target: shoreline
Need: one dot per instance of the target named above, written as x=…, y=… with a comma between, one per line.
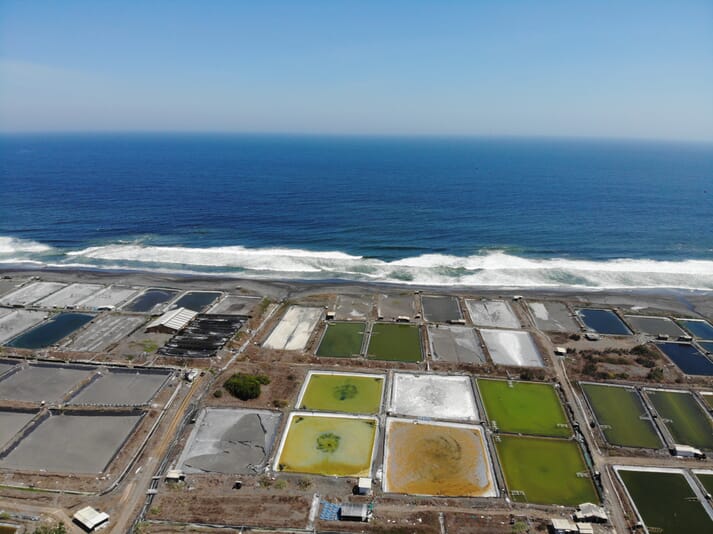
x=694, y=302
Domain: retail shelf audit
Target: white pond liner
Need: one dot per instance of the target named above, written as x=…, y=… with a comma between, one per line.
x=492, y=313
x=512, y=347
x=295, y=328
x=433, y=397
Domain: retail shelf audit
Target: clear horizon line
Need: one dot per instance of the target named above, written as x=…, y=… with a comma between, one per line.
x=403, y=135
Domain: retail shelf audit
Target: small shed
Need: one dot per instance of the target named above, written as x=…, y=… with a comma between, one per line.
x=363, y=486
x=591, y=513
x=354, y=512
x=172, y=321
x=175, y=475
x=563, y=526
x=560, y=351
x=90, y=519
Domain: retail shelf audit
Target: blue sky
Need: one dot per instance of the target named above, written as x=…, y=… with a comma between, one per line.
x=542, y=68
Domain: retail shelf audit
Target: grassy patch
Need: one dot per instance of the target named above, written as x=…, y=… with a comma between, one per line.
x=342, y=340
x=619, y=410
x=524, y=407
x=685, y=419
x=395, y=342
x=545, y=470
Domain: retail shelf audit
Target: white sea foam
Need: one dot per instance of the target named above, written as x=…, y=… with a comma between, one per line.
x=491, y=268
x=12, y=245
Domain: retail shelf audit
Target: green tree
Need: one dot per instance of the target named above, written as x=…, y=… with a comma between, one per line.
x=245, y=387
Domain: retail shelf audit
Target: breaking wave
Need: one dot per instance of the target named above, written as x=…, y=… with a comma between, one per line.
x=491, y=268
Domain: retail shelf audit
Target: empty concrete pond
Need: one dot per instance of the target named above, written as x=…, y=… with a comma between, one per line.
x=230, y=441
x=71, y=443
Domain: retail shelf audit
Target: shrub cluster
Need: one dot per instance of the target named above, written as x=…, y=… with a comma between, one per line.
x=244, y=386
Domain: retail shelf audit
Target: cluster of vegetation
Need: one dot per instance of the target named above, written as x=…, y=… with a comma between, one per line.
x=245, y=386
x=532, y=374
x=644, y=355
x=655, y=374
x=59, y=528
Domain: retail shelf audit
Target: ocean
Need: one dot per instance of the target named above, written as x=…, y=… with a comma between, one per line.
x=429, y=211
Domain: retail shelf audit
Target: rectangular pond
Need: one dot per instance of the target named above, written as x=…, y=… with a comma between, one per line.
x=235, y=305
x=698, y=328
x=30, y=293
x=512, y=347
x=395, y=342
x=654, y=326
x=351, y=308
x=440, y=309
x=230, y=441
x=687, y=358
x=456, y=344
x=327, y=444
x=492, y=313
x=524, y=407
x=603, y=322
x=553, y=317
x=43, y=382
x=16, y=322
x=111, y=296
x=51, y=331
x=342, y=340
x=121, y=387
x=390, y=307
x=105, y=331
x=342, y=392
x=11, y=422
x=440, y=459
x=72, y=443
x=150, y=299
x=294, y=329
x=621, y=416
x=686, y=420
x=545, y=470
x=196, y=300
x=433, y=396
x=665, y=500
x=71, y=295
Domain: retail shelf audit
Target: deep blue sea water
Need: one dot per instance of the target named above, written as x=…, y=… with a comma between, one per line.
x=424, y=210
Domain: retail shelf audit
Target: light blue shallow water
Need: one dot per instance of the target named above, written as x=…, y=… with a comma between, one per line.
x=430, y=211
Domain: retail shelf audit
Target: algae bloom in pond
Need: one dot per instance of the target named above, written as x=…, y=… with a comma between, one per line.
x=343, y=393
x=328, y=442
x=326, y=445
